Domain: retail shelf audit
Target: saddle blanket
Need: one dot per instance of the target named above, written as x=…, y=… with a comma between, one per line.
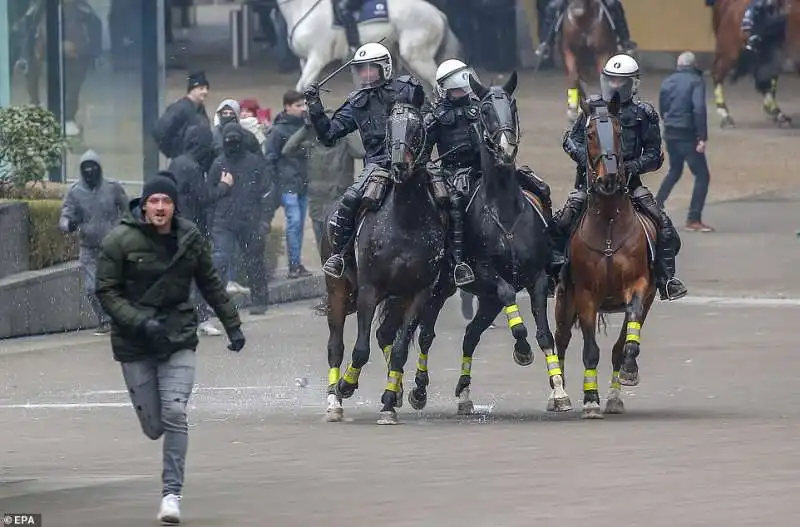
x=371, y=11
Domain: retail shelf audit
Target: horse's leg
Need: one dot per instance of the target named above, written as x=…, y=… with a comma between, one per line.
x=367, y=303
x=565, y=317
x=770, y=92
x=418, y=397
x=399, y=357
x=523, y=355
x=635, y=315
x=544, y=337
x=614, y=404
x=337, y=313
x=573, y=79
x=722, y=65
x=488, y=309
x=311, y=70
x=387, y=332
x=587, y=315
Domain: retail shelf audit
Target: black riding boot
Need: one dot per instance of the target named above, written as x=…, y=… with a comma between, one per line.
x=346, y=10
x=462, y=273
x=342, y=225
x=617, y=12
x=551, y=14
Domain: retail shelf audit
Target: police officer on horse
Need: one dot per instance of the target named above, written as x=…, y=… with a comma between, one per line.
x=366, y=110
x=641, y=144
x=347, y=11
x=756, y=20
x=451, y=124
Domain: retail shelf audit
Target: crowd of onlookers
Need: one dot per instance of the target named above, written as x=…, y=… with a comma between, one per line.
x=233, y=170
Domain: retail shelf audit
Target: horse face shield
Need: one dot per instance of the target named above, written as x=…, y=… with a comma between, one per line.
x=603, y=152
x=406, y=138
x=499, y=119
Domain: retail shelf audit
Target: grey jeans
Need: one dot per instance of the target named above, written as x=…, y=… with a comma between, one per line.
x=159, y=392
x=88, y=260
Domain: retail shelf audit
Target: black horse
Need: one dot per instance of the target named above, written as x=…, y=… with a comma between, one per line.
x=507, y=244
x=399, y=251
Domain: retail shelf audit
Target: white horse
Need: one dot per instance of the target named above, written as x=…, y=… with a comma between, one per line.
x=416, y=28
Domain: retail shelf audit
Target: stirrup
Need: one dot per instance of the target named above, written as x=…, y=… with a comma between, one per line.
x=334, y=266
x=682, y=291
x=463, y=275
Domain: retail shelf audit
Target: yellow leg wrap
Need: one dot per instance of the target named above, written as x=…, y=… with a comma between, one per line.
x=394, y=381
x=553, y=366
x=512, y=314
x=615, y=384
x=633, y=332
x=589, y=380
x=573, y=97
x=333, y=376
x=719, y=96
x=387, y=352
x=422, y=362
x=770, y=104
x=351, y=374
x=466, y=366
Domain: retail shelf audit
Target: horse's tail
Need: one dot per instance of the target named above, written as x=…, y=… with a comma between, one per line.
x=449, y=47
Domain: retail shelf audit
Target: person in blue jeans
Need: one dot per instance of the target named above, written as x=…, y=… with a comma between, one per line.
x=682, y=104
x=292, y=175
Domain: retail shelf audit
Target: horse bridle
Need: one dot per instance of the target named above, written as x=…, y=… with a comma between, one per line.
x=610, y=158
x=493, y=138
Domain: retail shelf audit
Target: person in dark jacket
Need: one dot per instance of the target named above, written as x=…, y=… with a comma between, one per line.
x=682, y=104
x=292, y=176
x=229, y=111
x=144, y=277
x=93, y=206
x=240, y=181
x=182, y=114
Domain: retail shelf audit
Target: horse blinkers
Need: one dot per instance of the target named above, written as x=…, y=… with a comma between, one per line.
x=500, y=126
x=607, y=181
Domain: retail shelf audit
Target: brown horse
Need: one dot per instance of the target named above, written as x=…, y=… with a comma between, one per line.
x=587, y=42
x=729, y=58
x=608, y=269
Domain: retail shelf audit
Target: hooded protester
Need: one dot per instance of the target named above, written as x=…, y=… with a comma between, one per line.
x=93, y=206
x=240, y=181
x=190, y=169
x=228, y=112
x=144, y=276
x=180, y=115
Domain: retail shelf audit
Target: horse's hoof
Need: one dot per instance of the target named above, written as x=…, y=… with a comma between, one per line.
x=783, y=119
x=523, y=354
x=629, y=378
x=727, y=122
x=417, y=400
x=388, y=417
x=466, y=408
x=334, y=415
x=562, y=404
x=592, y=411
x=615, y=406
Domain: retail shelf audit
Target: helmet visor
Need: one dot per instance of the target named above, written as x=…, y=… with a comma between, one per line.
x=366, y=75
x=456, y=85
x=622, y=86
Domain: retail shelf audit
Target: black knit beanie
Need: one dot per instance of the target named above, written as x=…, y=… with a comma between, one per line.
x=198, y=78
x=161, y=183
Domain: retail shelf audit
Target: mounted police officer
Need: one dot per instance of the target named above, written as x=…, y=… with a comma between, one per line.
x=556, y=8
x=451, y=124
x=756, y=20
x=366, y=110
x=347, y=10
x=641, y=153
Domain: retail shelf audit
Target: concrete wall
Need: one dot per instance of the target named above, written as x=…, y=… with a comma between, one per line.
x=14, y=229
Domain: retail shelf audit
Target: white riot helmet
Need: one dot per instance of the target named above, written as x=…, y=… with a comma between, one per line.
x=620, y=76
x=452, y=79
x=371, y=65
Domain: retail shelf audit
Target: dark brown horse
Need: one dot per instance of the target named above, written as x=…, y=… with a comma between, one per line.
x=608, y=269
x=587, y=42
x=730, y=59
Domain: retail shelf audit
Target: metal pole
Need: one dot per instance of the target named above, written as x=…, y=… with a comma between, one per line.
x=247, y=30
x=54, y=52
x=152, y=80
x=235, y=22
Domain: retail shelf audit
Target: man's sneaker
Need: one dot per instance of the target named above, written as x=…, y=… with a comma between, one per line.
x=170, y=511
x=103, y=329
x=298, y=272
x=698, y=226
x=208, y=329
x=235, y=289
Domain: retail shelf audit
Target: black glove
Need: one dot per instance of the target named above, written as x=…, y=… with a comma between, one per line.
x=237, y=339
x=311, y=93
x=154, y=330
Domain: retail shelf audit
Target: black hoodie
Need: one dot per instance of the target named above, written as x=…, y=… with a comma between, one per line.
x=290, y=172
x=241, y=206
x=190, y=170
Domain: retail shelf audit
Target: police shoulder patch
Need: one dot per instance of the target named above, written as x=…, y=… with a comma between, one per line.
x=649, y=110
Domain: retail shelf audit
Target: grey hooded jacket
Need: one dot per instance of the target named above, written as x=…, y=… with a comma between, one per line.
x=93, y=212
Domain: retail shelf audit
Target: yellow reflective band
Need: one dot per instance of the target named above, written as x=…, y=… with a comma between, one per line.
x=615, y=385
x=351, y=374
x=466, y=365
x=573, y=96
x=516, y=321
x=589, y=380
x=554, y=371
x=631, y=337
x=551, y=359
x=387, y=352
x=513, y=308
x=590, y=373
x=634, y=329
x=719, y=96
x=394, y=374
x=333, y=376
x=395, y=380
x=634, y=326
x=422, y=362
x=589, y=386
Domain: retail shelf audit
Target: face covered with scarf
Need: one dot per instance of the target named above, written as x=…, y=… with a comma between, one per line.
x=232, y=140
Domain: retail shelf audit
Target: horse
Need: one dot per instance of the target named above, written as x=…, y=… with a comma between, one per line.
x=507, y=245
x=587, y=42
x=398, y=250
x=608, y=268
x=416, y=27
x=731, y=61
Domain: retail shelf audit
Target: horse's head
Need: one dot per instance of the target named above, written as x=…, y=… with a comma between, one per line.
x=603, y=146
x=405, y=139
x=499, y=119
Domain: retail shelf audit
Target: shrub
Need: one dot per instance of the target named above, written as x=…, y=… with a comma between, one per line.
x=48, y=245
x=31, y=143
